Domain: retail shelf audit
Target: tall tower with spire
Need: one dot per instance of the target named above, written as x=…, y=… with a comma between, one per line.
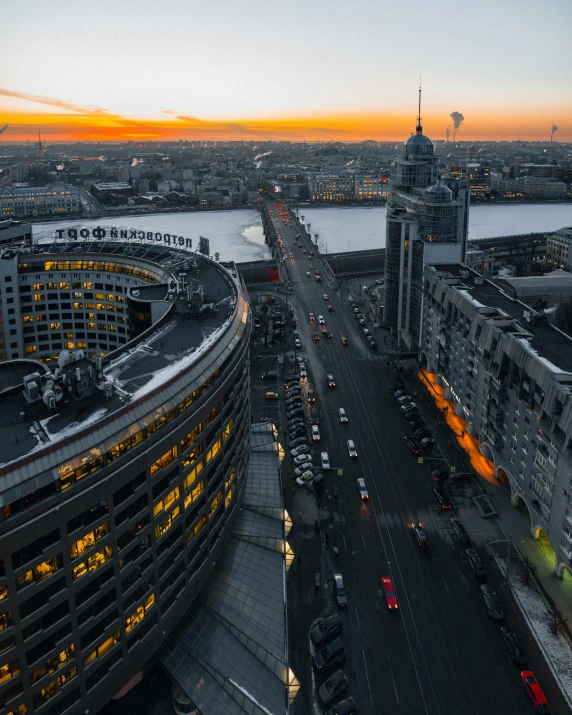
x=41, y=147
x=426, y=223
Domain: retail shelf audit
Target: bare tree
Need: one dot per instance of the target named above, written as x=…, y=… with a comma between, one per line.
x=530, y=569
x=265, y=322
x=555, y=621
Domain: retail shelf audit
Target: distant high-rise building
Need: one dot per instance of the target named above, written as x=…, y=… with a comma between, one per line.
x=426, y=223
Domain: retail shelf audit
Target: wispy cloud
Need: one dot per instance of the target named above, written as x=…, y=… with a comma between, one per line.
x=50, y=101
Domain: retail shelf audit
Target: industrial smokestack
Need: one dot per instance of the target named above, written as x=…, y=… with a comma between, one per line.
x=447, y=133
x=553, y=129
x=3, y=129
x=458, y=119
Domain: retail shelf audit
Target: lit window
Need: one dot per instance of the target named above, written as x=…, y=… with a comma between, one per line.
x=54, y=687
x=197, y=530
x=40, y=572
x=54, y=664
x=212, y=452
x=88, y=541
x=165, y=503
x=9, y=670
x=139, y=614
x=93, y=562
x=104, y=647
x=164, y=461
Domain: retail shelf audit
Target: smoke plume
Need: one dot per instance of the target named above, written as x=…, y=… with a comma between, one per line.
x=554, y=128
x=447, y=133
x=3, y=129
x=458, y=119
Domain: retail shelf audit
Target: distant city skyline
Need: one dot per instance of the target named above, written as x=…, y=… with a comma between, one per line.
x=327, y=70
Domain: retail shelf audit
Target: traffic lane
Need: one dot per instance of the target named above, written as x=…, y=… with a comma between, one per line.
x=413, y=578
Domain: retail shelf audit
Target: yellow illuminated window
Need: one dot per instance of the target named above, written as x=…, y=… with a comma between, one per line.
x=91, y=326
x=5, y=620
x=193, y=455
x=110, y=297
x=165, y=503
x=89, y=306
x=9, y=670
x=88, y=285
x=100, y=306
x=139, y=614
x=112, y=328
x=82, y=344
x=104, y=647
x=164, y=461
x=38, y=286
x=195, y=493
x=99, y=296
x=78, y=306
x=55, y=326
x=213, y=450
x=167, y=522
x=40, y=572
x=111, y=308
x=64, y=285
x=214, y=503
x=93, y=562
x=39, y=297
x=54, y=664
x=40, y=317
x=3, y=592
x=70, y=346
x=78, y=294
x=54, y=687
x=88, y=541
x=228, y=497
x=28, y=319
x=192, y=475
x=30, y=349
x=226, y=431
x=197, y=530
x=229, y=477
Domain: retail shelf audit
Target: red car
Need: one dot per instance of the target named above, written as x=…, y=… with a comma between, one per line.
x=330, y=308
x=317, y=272
x=534, y=691
x=344, y=341
x=326, y=297
x=389, y=593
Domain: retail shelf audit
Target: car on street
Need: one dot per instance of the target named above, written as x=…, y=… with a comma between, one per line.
x=293, y=391
x=295, y=412
x=442, y=498
x=318, y=277
x=404, y=399
x=408, y=407
x=348, y=706
x=475, y=562
x=330, y=308
x=297, y=343
x=292, y=377
x=326, y=297
x=297, y=451
x=437, y=475
x=318, y=272
x=300, y=459
x=271, y=396
x=342, y=415
x=329, y=655
x=311, y=317
x=321, y=320
x=309, y=274
x=400, y=392
x=340, y=591
x=296, y=442
x=315, y=433
x=412, y=445
x=303, y=468
x=300, y=360
x=311, y=266
x=427, y=443
x=273, y=375
x=420, y=535
x=292, y=382
x=325, y=460
x=324, y=629
x=460, y=531
x=513, y=645
x=331, y=380
x=362, y=489
x=326, y=334
x=332, y=687
x=534, y=692
x=303, y=372
x=316, y=336
x=389, y=593
x=344, y=341
x=352, y=451
x=492, y=602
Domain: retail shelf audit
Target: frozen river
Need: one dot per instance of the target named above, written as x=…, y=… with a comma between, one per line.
x=237, y=235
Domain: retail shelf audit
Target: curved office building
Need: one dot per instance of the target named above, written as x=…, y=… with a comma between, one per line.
x=125, y=413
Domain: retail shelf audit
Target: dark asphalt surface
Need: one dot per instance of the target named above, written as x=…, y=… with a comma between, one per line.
x=440, y=654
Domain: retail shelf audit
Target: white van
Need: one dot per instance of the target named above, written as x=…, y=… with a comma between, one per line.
x=324, y=458
x=342, y=415
x=352, y=451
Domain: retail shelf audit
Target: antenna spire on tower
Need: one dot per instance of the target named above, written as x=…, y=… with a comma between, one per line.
x=419, y=127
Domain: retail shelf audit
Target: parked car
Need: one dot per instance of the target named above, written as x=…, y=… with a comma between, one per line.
x=298, y=432
x=332, y=687
x=273, y=375
x=439, y=474
x=315, y=433
x=348, y=706
x=296, y=442
x=324, y=458
x=492, y=602
x=422, y=432
x=296, y=420
x=329, y=655
x=404, y=399
x=517, y=652
x=408, y=407
x=442, y=498
x=534, y=692
x=394, y=387
x=293, y=376
x=271, y=396
x=300, y=459
x=302, y=468
x=352, y=451
x=340, y=591
x=415, y=421
x=427, y=443
x=297, y=343
x=412, y=445
x=304, y=479
x=475, y=562
x=325, y=629
x=362, y=489
x=460, y=531
x=300, y=450
x=295, y=412
x=389, y=593
x=342, y=415
x=292, y=401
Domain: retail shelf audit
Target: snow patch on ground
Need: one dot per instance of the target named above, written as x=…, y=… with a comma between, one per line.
x=74, y=426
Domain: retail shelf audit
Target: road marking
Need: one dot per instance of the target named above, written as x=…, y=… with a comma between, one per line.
x=394, y=685
x=344, y=538
x=377, y=604
x=362, y=538
x=447, y=587
x=357, y=616
x=367, y=676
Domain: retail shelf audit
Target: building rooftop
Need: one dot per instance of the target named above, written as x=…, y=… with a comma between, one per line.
x=126, y=377
x=550, y=345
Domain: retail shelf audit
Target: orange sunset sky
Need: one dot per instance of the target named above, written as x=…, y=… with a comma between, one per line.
x=314, y=69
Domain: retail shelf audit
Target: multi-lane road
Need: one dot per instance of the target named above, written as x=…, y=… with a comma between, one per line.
x=440, y=653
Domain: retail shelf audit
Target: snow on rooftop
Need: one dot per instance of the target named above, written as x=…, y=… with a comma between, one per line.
x=74, y=426
x=550, y=365
x=468, y=295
